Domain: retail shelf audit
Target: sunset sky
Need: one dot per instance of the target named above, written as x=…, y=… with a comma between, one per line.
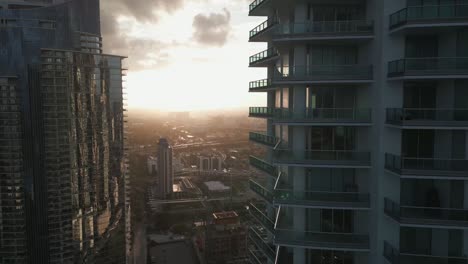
x=184, y=54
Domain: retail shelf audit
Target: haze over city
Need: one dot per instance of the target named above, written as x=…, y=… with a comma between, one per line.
x=177, y=47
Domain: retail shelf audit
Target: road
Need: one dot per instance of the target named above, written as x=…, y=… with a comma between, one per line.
x=139, y=244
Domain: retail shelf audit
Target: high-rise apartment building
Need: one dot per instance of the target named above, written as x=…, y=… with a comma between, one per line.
x=225, y=239
x=62, y=165
x=367, y=132
x=165, y=169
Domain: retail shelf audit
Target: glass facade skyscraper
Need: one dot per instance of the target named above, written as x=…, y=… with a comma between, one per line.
x=63, y=175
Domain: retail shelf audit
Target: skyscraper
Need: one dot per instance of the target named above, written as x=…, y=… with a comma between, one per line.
x=367, y=132
x=62, y=167
x=165, y=169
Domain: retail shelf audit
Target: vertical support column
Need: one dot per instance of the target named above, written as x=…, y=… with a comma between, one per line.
x=299, y=173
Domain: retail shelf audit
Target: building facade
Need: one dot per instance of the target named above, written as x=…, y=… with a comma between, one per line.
x=63, y=175
x=210, y=162
x=367, y=132
x=225, y=239
x=165, y=169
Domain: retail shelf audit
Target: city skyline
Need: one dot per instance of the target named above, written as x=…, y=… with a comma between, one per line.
x=176, y=47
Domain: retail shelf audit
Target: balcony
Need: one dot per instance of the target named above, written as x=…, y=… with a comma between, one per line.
x=258, y=7
x=261, y=191
x=262, y=219
x=260, y=85
x=263, y=166
x=258, y=34
x=425, y=117
x=263, y=139
x=426, y=216
x=325, y=116
x=428, y=168
x=429, y=68
x=315, y=74
x=259, y=237
x=315, y=199
x=430, y=16
x=257, y=257
x=322, y=158
x=262, y=59
x=261, y=112
x=395, y=257
x=322, y=240
x=324, y=30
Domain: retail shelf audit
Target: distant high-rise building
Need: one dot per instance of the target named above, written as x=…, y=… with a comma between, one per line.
x=63, y=178
x=225, y=239
x=152, y=164
x=210, y=162
x=366, y=132
x=165, y=169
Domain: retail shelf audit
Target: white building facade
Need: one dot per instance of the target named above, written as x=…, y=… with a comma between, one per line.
x=367, y=132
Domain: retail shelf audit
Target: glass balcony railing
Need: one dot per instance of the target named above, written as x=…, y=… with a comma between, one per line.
x=426, y=215
x=324, y=73
x=258, y=237
x=322, y=157
x=320, y=28
x=264, y=55
x=428, y=66
x=261, y=191
x=263, y=166
x=255, y=4
x=259, y=85
x=328, y=115
x=343, y=241
x=263, y=219
x=428, y=14
x=265, y=112
x=269, y=23
x=257, y=257
x=426, y=116
x=426, y=166
x=320, y=115
x=315, y=198
x=264, y=139
x=395, y=257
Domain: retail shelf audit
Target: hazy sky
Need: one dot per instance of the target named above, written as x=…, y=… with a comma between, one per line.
x=184, y=54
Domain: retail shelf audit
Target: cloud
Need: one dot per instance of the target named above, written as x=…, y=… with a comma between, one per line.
x=212, y=29
x=141, y=10
x=142, y=53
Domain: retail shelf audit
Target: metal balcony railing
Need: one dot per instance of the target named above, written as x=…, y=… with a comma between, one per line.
x=426, y=215
x=264, y=139
x=441, y=167
x=264, y=55
x=427, y=116
x=429, y=14
x=265, y=112
x=263, y=166
x=322, y=157
x=428, y=66
x=324, y=73
x=354, y=27
x=261, y=191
